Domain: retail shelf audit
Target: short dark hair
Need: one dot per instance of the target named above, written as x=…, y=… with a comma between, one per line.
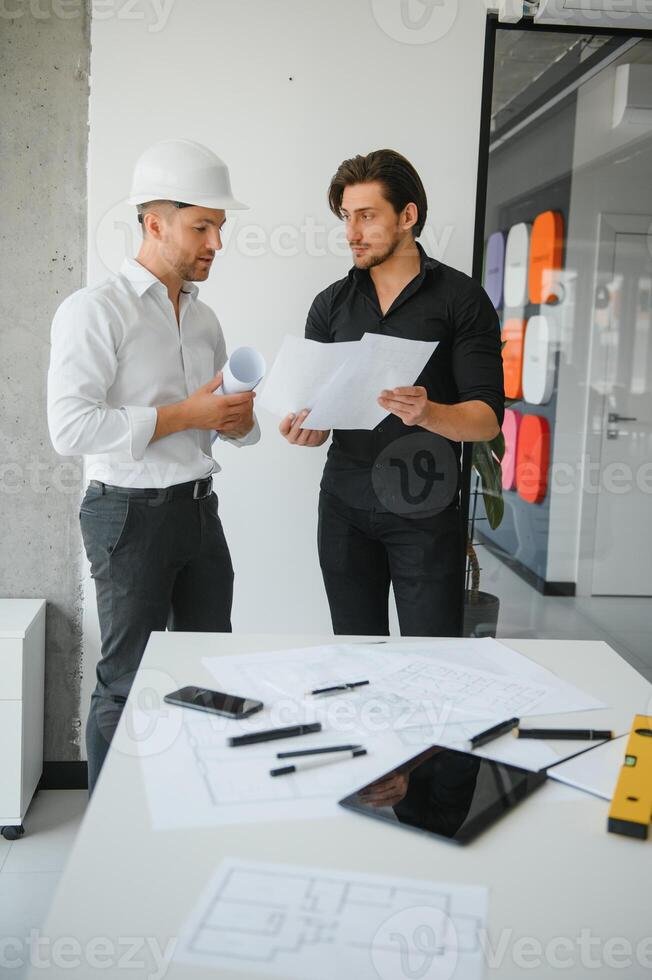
x=400, y=182
x=143, y=209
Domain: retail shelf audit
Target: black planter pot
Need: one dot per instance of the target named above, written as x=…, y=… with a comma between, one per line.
x=481, y=614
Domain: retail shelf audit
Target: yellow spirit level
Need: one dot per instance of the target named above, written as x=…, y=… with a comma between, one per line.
x=631, y=805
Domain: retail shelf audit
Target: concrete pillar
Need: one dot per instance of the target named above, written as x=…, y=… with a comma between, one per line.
x=44, y=59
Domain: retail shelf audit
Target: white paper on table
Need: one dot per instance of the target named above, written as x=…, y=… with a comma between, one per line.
x=283, y=678
x=594, y=771
x=528, y=687
x=566, y=697
x=442, y=674
x=530, y=754
x=340, y=383
x=192, y=778
x=298, y=921
x=400, y=716
x=296, y=671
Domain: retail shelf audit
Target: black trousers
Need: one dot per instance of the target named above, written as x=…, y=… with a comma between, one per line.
x=361, y=552
x=156, y=563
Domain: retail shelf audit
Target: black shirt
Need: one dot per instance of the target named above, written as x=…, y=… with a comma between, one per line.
x=441, y=304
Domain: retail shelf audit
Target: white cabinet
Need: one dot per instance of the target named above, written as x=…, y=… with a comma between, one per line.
x=22, y=668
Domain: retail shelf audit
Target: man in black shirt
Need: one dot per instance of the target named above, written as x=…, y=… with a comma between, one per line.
x=389, y=501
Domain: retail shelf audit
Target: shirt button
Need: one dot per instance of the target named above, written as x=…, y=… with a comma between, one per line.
x=377, y=466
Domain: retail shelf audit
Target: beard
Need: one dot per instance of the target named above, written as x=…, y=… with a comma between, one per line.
x=187, y=268
x=189, y=271
x=371, y=259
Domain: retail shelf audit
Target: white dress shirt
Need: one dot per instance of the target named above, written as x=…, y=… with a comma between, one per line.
x=117, y=354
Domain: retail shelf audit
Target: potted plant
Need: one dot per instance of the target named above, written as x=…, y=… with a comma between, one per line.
x=481, y=608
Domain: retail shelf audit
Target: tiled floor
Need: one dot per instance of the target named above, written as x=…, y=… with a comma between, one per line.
x=29, y=871
x=30, y=867
x=625, y=623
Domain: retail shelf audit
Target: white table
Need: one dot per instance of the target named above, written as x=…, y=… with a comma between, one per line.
x=551, y=867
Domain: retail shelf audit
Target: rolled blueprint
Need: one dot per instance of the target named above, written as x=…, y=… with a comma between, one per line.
x=242, y=372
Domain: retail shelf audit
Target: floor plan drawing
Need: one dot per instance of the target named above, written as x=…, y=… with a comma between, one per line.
x=233, y=785
x=300, y=922
x=467, y=689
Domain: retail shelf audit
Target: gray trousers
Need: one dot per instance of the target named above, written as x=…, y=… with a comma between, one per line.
x=157, y=563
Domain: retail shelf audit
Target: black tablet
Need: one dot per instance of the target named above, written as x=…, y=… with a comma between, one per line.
x=445, y=792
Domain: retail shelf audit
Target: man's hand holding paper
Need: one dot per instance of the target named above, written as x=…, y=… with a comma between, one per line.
x=410, y=404
x=340, y=384
x=291, y=428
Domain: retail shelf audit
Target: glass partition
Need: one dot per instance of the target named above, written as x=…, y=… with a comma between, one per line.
x=564, y=544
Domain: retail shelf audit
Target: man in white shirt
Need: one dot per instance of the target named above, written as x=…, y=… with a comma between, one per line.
x=134, y=366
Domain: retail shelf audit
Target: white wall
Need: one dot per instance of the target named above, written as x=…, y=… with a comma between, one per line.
x=219, y=71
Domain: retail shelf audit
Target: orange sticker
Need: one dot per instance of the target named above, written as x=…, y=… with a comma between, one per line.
x=533, y=458
x=513, y=335
x=546, y=245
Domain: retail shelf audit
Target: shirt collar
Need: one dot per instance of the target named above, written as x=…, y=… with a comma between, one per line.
x=426, y=263
x=142, y=279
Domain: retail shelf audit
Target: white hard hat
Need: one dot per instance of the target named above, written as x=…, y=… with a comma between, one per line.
x=182, y=171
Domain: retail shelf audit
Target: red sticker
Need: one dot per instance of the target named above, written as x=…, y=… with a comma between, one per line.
x=533, y=458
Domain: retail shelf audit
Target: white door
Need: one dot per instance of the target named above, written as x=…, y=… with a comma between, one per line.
x=622, y=557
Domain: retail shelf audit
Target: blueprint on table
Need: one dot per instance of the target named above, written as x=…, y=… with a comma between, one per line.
x=295, y=921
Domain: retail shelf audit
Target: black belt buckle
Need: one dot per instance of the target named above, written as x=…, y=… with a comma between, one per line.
x=199, y=485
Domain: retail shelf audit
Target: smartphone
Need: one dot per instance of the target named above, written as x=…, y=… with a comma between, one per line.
x=219, y=703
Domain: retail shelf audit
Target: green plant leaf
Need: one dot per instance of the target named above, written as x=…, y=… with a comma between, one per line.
x=497, y=445
x=486, y=461
x=495, y=508
x=488, y=468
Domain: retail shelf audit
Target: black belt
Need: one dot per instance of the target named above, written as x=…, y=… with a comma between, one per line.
x=195, y=489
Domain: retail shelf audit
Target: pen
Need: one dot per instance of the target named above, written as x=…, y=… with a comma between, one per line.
x=329, y=748
x=272, y=733
x=323, y=760
x=338, y=687
x=589, y=734
x=491, y=733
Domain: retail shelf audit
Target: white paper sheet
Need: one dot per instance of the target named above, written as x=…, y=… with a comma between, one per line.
x=497, y=662
x=430, y=683
x=595, y=771
x=296, y=921
x=341, y=382
x=402, y=711
x=528, y=753
x=302, y=369
x=193, y=778
x=381, y=708
x=351, y=399
x=421, y=693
